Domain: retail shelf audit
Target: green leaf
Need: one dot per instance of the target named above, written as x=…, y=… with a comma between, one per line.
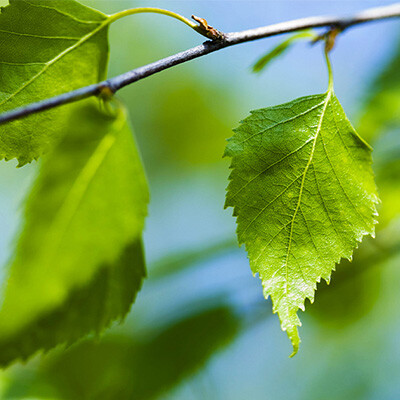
x=142, y=369
x=46, y=48
x=304, y=195
x=280, y=49
x=382, y=108
x=78, y=262
x=380, y=123
x=387, y=173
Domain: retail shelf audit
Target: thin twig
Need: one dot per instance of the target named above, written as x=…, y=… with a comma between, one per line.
x=230, y=39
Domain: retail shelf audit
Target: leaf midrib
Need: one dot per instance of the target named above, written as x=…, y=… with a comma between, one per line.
x=73, y=199
x=286, y=262
x=231, y=197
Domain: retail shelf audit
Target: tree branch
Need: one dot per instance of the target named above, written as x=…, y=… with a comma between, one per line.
x=230, y=39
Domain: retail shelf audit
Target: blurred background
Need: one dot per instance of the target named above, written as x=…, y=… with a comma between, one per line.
x=200, y=327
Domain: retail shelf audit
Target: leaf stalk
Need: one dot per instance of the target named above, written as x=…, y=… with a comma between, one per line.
x=154, y=10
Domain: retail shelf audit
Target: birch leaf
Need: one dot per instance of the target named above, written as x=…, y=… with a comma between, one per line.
x=304, y=195
x=79, y=261
x=47, y=47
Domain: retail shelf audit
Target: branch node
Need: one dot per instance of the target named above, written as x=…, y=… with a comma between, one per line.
x=105, y=91
x=343, y=24
x=329, y=37
x=330, y=40
x=207, y=30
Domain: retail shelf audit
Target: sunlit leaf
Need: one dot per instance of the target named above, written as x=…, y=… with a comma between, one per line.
x=303, y=192
x=79, y=262
x=47, y=47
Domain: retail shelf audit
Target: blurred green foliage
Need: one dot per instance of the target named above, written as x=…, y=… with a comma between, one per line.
x=381, y=112
x=190, y=116
x=80, y=212
x=281, y=49
x=125, y=367
x=380, y=124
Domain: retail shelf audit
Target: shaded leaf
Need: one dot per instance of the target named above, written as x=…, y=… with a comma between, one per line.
x=46, y=48
x=356, y=286
x=353, y=289
x=280, y=49
x=303, y=192
x=123, y=367
x=182, y=260
x=387, y=174
x=201, y=102
x=382, y=109
x=381, y=124
x=78, y=263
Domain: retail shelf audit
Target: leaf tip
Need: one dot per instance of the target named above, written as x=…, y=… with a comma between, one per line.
x=295, y=339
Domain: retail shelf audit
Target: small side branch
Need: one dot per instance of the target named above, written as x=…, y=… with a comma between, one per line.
x=229, y=39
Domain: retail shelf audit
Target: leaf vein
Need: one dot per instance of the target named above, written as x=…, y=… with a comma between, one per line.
x=324, y=204
x=270, y=241
x=21, y=63
x=39, y=36
x=340, y=183
x=271, y=202
x=55, y=59
x=71, y=203
x=282, y=122
x=82, y=21
x=270, y=166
